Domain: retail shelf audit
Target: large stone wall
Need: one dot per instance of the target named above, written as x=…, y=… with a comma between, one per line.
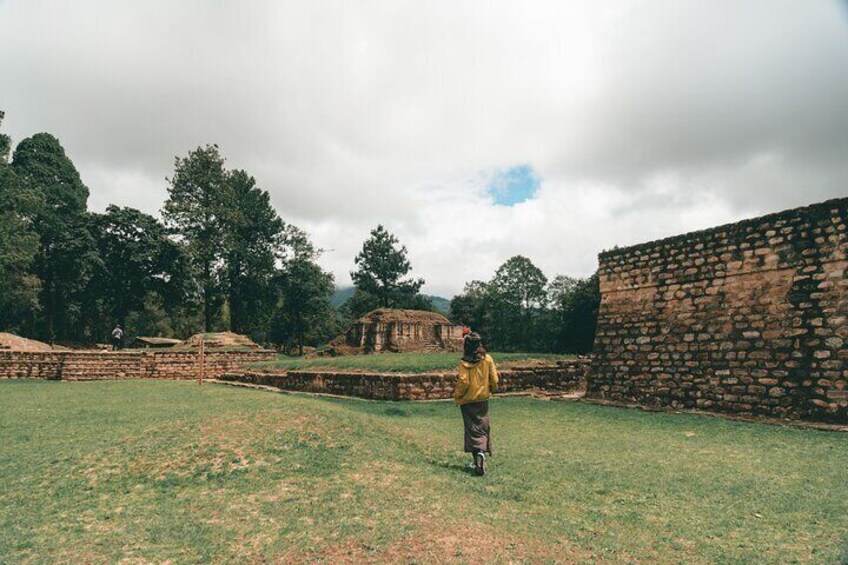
x=97, y=365
x=748, y=317
x=566, y=376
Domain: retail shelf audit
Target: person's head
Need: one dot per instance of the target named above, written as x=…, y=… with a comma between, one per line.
x=473, y=348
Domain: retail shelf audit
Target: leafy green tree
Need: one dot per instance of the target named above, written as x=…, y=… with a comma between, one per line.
x=470, y=307
x=5, y=143
x=382, y=264
x=573, y=313
x=137, y=260
x=195, y=210
x=67, y=257
x=19, y=244
x=305, y=315
x=357, y=305
x=253, y=238
x=517, y=299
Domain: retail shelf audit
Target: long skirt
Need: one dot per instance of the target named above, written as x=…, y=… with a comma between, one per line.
x=478, y=435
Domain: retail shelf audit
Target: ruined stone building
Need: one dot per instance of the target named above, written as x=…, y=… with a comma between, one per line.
x=748, y=317
x=393, y=330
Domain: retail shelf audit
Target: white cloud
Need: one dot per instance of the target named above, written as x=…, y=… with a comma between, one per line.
x=642, y=119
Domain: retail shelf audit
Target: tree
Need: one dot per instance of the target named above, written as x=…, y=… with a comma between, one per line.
x=357, y=305
x=573, y=313
x=140, y=266
x=516, y=299
x=253, y=238
x=19, y=243
x=197, y=203
x=381, y=266
x=304, y=315
x=66, y=258
x=469, y=307
x=5, y=143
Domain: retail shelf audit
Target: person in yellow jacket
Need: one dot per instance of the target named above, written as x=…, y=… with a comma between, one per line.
x=478, y=378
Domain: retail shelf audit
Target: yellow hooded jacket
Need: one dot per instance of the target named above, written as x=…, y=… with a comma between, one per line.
x=476, y=381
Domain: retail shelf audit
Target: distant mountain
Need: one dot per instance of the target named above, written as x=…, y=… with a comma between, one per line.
x=440, y=303
x=342, y=294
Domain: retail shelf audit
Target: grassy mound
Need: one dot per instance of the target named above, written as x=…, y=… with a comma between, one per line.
x=150, y=471
x=395, y=362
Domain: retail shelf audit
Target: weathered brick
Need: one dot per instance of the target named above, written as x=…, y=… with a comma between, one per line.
x=760, y=303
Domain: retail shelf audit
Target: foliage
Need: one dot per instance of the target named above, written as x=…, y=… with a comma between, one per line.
x=360, y=303
x=517, y=299
x=519, y=310
x=19, y=243
x=139, y=267
x=573, y=313
x=163, y=471
x=256, y=274
x=223, y=260
x=195, y=209
x=470, y=308
x=252, y=240
x=381, y=266
x=67, y=256
x=304, y=315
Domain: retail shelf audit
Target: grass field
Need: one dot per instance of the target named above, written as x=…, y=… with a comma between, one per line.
x=147, y=471
x=395, y=362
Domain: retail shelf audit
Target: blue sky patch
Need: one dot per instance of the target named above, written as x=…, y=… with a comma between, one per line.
x=512, y=186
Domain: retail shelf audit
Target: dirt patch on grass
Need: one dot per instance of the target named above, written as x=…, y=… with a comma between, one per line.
x=434, y=540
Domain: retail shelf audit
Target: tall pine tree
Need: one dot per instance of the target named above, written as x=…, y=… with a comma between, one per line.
x=67, y=257
x=252, y=241
x=195, y=210
x=382, y=264
x=19, y=243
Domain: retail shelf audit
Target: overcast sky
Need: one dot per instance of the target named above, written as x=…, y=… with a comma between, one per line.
x=474, y=130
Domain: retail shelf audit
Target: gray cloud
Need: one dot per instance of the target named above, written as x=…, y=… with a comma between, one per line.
x=643, y=119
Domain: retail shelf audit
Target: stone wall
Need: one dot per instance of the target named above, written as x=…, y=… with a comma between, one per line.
x=748, y=317
x=100, y=365
x=566, y=376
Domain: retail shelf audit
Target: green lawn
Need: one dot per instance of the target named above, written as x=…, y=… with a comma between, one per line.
x=148, y=471
x=395, y=362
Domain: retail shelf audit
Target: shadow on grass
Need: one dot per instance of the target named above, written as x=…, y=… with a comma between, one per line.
x=452, y=466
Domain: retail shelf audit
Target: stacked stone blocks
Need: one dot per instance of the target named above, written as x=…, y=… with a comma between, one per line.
x=565, y=376
x=747, y=317
x=103, y=365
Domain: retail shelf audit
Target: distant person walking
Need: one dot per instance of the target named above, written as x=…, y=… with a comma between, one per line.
x=478, y=378
x=117, y=338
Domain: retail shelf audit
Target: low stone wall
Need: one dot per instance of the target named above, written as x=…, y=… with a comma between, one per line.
x=566, y=376
x=110, y=365
x=31, y=365
x=184, y=364
x=96, y=365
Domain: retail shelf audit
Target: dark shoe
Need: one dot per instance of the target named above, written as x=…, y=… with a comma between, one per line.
x=479, y=464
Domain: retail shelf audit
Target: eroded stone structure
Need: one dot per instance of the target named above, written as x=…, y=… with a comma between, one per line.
x=749, y=317
x=109, y=365
x=562, y=377
x=395, y=330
